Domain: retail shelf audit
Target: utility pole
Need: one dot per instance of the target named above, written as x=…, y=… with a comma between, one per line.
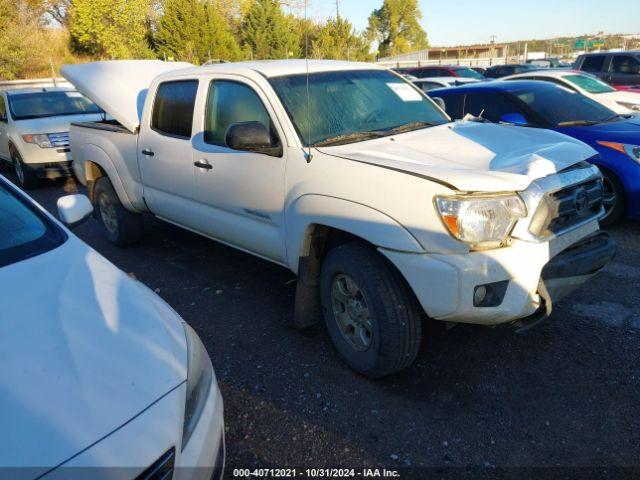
x=337, y=9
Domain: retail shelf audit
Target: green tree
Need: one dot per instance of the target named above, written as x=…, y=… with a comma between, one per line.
x=110, y=28
x=337, y=39
x=195, y=31
x=396, y=27
x=268, y=33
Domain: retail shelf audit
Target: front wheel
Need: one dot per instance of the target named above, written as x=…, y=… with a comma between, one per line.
x=27, y=178
x=613, y=200
x=121, y=226
x=371, y=314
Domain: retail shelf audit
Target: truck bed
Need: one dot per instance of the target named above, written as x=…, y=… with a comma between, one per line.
x=114, y=148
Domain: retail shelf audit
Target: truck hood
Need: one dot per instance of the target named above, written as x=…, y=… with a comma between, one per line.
x=119, y=87
x=472, y=156
x=53, y=124
x=85, y=348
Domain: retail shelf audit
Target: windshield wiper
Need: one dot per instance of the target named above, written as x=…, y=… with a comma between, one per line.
x=349, y=138
x=578, y=123
x=407, y=127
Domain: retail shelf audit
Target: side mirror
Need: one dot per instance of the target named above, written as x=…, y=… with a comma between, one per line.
x=514, y=119
x=440, y=102
x=74, y=209
x=252, y=137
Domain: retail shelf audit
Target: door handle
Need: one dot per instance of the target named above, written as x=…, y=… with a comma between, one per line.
x=148, y=153
x=203, y=164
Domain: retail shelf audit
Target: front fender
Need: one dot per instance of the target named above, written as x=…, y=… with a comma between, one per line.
x=360, y=220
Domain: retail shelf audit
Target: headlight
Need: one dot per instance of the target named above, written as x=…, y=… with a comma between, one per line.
x=631, y=151
x=630, y=106
x=199, y=380
x=481, y=221
x=40, y=139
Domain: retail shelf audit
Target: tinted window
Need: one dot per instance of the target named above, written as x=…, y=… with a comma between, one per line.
x=492, y=105
x=229, y=103
x=25, y=231
x=468, y=73
x=426, y=86
x=173, y=108
x=560, y=106
x=346, y=106
x=593, y=63
x=453, y=104
x=25, y=106
x=3, y=108
x=625, y=64
x=589, y=83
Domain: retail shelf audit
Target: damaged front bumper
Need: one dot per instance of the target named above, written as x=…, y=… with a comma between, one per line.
x=567, y=271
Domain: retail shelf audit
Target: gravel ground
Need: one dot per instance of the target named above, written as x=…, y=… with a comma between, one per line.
x=564, y=394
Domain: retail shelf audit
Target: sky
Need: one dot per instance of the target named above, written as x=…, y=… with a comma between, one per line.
x=460, y=22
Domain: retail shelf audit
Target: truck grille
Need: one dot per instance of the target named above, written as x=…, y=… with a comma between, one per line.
x=161, y=469
x=60, y=139
x=561, y=210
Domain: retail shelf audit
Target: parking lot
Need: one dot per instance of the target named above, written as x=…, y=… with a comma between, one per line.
x=565, y=393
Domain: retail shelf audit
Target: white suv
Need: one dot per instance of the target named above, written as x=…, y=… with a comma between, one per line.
x=34, y=130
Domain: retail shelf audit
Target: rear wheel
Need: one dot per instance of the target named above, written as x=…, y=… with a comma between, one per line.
x=614, y=200
x=371, y=314
x=27, y=178
x=121, y=226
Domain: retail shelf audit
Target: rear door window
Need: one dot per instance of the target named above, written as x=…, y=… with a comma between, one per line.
x=173, y=108
x=625, y=64
x=593, y=63
x=3, y=109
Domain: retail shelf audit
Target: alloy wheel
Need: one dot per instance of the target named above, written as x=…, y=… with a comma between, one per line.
x=351, y=312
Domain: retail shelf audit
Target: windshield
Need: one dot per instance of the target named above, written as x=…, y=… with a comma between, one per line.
x=25, y=231
x=561, y=106
x=590, y=84
x=468, y=73
x=25, y=106
x=350, y=106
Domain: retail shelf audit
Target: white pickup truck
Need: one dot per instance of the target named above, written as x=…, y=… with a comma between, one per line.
x=352, y=178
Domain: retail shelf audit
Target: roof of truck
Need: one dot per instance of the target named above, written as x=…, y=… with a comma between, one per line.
x=276, y=68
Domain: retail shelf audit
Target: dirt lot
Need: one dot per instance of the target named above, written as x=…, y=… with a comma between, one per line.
x=564, y=394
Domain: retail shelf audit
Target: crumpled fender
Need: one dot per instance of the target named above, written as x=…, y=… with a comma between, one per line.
x=372, y=225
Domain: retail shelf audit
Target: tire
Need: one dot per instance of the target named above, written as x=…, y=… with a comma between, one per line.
x=27, y=178
x=390, y=339
x=615, y=199
x=120, y=226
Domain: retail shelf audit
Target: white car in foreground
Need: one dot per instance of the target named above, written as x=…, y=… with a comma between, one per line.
x=101, y=378
x=589, y=86
x=34, y=130
x=432, y=83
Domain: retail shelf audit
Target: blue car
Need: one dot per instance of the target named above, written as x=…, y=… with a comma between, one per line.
x=545, y=105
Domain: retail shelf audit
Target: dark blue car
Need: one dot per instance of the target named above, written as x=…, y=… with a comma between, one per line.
x=545, y=105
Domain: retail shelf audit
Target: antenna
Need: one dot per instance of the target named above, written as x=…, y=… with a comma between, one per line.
x=53, y=73
x=308, y=155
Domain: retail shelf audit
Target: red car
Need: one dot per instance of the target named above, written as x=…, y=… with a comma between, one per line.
x=627, y=88
x=440, y=71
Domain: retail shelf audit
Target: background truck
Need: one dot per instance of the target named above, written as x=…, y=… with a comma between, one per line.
x=34, y=127
x=354, y=180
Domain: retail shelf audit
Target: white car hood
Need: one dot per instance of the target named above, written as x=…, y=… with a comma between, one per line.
x=472, y=156
x=119, y=87
x=85, y=348
x=53, y=124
